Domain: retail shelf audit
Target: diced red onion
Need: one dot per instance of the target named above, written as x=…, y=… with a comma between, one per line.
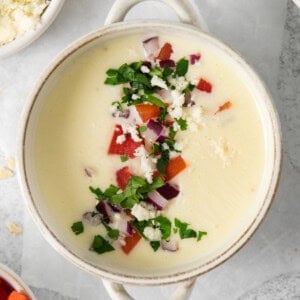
x=115, y=208
x=129, y=229
x=91, y=218
x=147, y=64
x=122, y=114
x=158, y=201
x=125, y=227
x=89, y=172
x=167, y=63
x=161, y=139
x=194, y=58
x=165, y=95
x=151, y=46
x=155, y=126
x=169, y=245
x=188, y=100
x=104, y=209
x=168, y=191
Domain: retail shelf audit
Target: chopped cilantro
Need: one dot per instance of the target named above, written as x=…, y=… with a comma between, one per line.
x=162, y=162
x=101, y=245
x=164, y=226
x=112, y=233
x=142, y=129
x=107, y=194
x=123, y=158
x=155, y=245
x=77, y=227
x=184, y=231
x=200, y=234
x=182, y=123
x=172, y=132
x=154, y=100
x=182, y=67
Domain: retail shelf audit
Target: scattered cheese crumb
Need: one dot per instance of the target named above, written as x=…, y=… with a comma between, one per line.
x=14, y=229
x=135, y=97
x=156, y=81
x=180, y=83
x=6, y=173
x=132, y=130
x=147, y=164
x=11, y=163
x=175, y=109
x=143, y=211
x=121, y=139
x=145, y=69
x=223, y=150
x=153, y=234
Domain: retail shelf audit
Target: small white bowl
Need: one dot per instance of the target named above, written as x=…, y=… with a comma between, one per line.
x=27, y=38
x=15, y=281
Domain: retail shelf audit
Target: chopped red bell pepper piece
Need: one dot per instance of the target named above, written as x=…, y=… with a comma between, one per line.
x=224, y=106
x=126, y=148
x=123, y=175
x=165, y=52
x=204, y=85
x=131, y=241
x=147, y=111
x=174, y=167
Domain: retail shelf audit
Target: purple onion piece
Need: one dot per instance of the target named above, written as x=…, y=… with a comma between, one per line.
x=161, y=139
x=91, y=218
x=122, y=114
x=115, y=208
x=169, y=245
x=129, y=229
x=188, y=102
x=151, y=46
x=103, y=208
x=89, y=172
x=147, y=64
x=158, y=201
x=194, y=58
x=168, y=191
x=167, y=63
x=155, y=126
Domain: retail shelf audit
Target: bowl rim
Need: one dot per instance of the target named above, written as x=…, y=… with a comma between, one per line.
x=163, y=279
x=24, y=40
x=15, y=280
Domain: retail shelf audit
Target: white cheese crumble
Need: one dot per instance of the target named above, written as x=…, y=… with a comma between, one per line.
x=153, y=234
x=135, y=97
x=132, y=130
x=143, y=211
x=179, y=83
x=145, y=69
x=147, y=165
x=121, y=139
x=18, y=17
x=175, y=109
x=156, y=81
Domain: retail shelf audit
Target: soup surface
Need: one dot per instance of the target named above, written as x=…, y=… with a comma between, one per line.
x=223, y=148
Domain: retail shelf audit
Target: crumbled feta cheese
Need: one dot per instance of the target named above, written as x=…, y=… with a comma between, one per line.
x=178, y=146
x=175, y=109
x=147, y=165
x=143, y=211
x=132, y=130
x=121, y=139
x=18, y=17
x=153, y=234
x=179, y=83
x=156, y=81
x=176, y=126
x=223, y=150
x=165, y=146
x=145, y=69
x=135, y=97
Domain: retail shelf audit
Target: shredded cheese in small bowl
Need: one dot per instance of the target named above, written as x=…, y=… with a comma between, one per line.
x=22, y=21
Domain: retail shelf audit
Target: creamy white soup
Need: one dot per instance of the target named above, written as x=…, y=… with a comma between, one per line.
x=218, y=136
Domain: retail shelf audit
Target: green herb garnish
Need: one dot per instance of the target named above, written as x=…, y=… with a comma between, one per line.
x=163, y=161
x=182, y=123
x=142, y=129
x=184, y=231
x=101, y=245
x=155, y=245
x=182, y=67
x=77, y=227
x=200, y=234
x=124, y=158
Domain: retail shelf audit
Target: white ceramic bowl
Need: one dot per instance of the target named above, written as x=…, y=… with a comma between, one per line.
x=35, y=102
x=27, y=38
x=15, y=281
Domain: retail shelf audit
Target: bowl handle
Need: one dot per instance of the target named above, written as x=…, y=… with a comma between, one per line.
x=185, y=10
x=117, y=291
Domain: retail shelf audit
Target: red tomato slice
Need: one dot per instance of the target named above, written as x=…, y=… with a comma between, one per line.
x=204, y=86
x=131, y=242
x=174, y=167
x=165, y=52
x=126, y=148
x=123, y=175
x=147, y=111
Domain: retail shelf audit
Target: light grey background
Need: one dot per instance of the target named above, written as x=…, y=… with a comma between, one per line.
x=267, y=34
